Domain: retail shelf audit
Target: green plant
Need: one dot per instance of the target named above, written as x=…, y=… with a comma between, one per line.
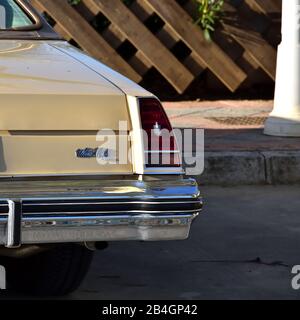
x=74, y=2
x=210, y=12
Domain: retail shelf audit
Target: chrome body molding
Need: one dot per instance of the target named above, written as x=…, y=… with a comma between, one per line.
x=92, y=210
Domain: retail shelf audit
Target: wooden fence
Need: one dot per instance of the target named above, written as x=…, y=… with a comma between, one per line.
x=136, y=36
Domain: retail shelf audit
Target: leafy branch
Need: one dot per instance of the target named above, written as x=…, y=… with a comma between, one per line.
x=74, y=2
x=210, y=12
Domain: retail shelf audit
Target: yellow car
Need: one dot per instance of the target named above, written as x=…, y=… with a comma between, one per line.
x=82, y=158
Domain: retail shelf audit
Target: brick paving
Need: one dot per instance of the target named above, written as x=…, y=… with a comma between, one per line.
x=230, y=125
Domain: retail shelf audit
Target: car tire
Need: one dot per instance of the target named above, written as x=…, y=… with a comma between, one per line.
x=56, y=272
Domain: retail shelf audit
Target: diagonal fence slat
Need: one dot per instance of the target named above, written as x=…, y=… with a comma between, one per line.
x=250, y=38
x=85, y=35
x=209, y=53
x=267, y=6
x=263, y=53
x=135, y=31
x=89, y=10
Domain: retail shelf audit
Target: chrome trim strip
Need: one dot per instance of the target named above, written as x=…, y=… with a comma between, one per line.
x=10, y=224
x=113, y=219
x=14, y=224
x=129, y=173
x=109, y=228
x=103, y=197
x=111, y=212
x=128, y=189
x=107, y=203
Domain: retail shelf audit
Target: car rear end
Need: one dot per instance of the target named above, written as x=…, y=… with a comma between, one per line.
x=67, y=189
x=83, y=186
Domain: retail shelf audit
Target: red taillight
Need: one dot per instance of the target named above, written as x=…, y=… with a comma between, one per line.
x=160, y=143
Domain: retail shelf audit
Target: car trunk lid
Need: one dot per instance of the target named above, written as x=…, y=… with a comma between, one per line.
x=52, y=106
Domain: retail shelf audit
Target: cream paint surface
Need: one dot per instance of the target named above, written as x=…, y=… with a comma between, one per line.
x=42, y=88
x=52, y=155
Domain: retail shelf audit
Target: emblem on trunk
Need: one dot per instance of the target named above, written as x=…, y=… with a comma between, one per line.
x=92, y=153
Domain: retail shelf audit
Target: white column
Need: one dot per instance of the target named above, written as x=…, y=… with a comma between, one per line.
x=285, y=118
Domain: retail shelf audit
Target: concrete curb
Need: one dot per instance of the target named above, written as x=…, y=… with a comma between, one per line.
x=282, y=167
x=251, y=168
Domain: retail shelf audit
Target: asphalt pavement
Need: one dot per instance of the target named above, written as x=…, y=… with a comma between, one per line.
x=243, y=246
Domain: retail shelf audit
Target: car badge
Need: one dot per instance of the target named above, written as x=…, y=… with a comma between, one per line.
x=99, y=153
x=87, y=153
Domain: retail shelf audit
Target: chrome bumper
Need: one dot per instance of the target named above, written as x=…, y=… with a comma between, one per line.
x=87, y=211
